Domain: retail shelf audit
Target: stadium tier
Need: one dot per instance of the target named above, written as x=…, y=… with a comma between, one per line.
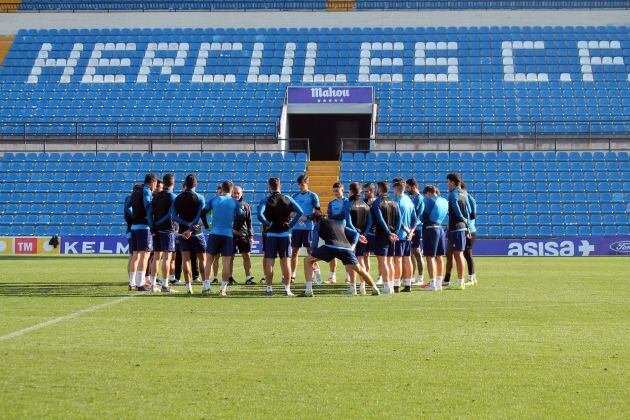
x=518, y=194
x=311, y=4
x=232, y=82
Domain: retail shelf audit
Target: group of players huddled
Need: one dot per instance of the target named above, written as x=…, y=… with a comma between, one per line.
x=398, y=229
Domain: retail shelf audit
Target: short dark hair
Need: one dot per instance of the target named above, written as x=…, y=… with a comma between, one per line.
x=318, y=215
x=369, y=185
x=431, y=189
x=455, y=177
x=274, y=183
x=219, y=188
x=302, y=178
x=226, y=186
x=338, y=185
x=355, y=188
x=383, y=186
x=159, y=181
x=412, y=182
x=149, y=178
x=191, y=181
x=399, y=186
x=397, y=180
x=168, y=180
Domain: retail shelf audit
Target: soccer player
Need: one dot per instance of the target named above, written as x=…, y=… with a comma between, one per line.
x=302, y=233
x=243, y=237
x=163, y=229
x=187, y=212
x=274, y=212
x=129, y=221
x=221, y=239
x=215, y=265
x=433, y=236
x=361, y=220
x=416, y=251
x=339, y=210
x=385, y=224
x=369, y=195
x=470, y=240
x=150, y=269
x=141, y=219
x=457, y=229
x=332, y=240
x=403, y=267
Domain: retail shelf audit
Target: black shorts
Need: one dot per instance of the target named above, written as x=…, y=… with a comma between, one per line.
x=242, y=245
x=416, y=240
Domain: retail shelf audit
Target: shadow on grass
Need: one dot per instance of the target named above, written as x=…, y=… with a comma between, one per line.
x=109, y=289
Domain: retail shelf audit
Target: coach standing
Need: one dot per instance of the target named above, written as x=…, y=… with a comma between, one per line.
x=243, y=237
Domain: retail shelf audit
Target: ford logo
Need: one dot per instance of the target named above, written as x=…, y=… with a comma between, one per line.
x=621, y=246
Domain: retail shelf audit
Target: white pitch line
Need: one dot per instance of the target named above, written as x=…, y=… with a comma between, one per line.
x=63, y=318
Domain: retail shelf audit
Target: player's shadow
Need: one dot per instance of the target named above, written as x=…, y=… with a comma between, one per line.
x=99, y=289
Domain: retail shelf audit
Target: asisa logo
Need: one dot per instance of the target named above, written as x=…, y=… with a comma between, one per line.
x=621, y=246
x=551, y=249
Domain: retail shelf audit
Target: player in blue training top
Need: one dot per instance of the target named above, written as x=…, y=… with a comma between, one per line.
x=457, y=230
x=338, y=210
x=403, y=267
x=433, y=236
x=385, y=224
x=187, y=213
x=302, y=233
x=274, y=212
x=163, y=228
x=141, y=218
x=416, y=249
x=470, y=239
x=221, y=239
x=332, y=240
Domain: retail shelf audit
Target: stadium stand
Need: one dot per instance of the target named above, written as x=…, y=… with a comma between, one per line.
x=519, y=194
x=441, y=81
x=82, y=193
x=61, y=5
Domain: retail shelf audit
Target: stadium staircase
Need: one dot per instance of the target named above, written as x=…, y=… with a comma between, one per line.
x=5, y=46
x=10, y=6
x=340, y=5
x=322, y=174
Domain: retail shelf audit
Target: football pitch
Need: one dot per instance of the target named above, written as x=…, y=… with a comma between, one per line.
x=538, y=337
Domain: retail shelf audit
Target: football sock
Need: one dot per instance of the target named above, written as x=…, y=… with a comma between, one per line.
x=140, y=279
x=439, y=281
x=223, y=286
x=447, y=277
x=432, y=282
x=164, y=283
x=309, y=286
x=132, y=278
x=206, y=285
x=269, y=289
x=362, y=287
x=287, y=287
x=153, y=281
x=189, y=287
x=421, y=279
x=407, y=282
x=396, y=283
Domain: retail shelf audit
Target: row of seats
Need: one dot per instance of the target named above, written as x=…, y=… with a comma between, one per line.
x=312, y=4
x=195, y=158
x=428, y=81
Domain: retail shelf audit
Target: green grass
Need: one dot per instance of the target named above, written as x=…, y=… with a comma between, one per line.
x=538, y=337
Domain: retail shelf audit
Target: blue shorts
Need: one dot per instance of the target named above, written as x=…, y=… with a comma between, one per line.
x=371, y=243
x=360, y=249
x=326, y=253
x=434, y=241
x=129, y=243
x=220, y=244
x=457, y=240
x=164, y=242
x=277, y=246
x=141, y=240
x=383, y=247
x=416, y=240
x=195, y=244
x=301, y=238
x=402, y=248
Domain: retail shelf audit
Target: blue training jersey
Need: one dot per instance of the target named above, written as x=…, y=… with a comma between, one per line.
x=435, y=210
x=339, y=210
x=408, y=218
x=224, y=208
x=472, y=214
x=418, y=203
x=308, y=201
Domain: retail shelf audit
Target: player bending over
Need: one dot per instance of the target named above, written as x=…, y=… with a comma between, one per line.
x=221, y=239
x=274, y=212
x=163, y=229
x=332, y=240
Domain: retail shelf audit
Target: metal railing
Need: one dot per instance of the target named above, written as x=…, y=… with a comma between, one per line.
x=257, y=5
